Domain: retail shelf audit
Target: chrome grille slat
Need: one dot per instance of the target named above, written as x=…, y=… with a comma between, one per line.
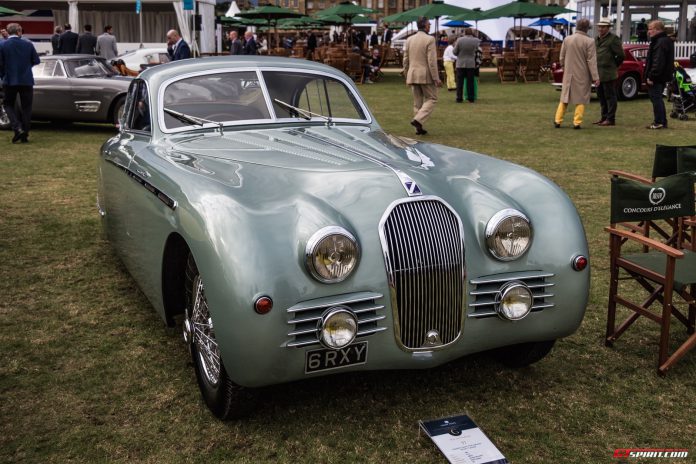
x=484, y=290
x=424, y=256
x=304, y=316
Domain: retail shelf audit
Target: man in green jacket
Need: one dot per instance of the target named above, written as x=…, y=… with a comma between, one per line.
x=610, y=55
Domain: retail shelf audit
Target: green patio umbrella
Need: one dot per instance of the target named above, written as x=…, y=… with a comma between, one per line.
x=403, y=17
x=347, y=10
x=475, y=15
x=436, y=10
x=235, y=21
x=9, y=12
x=300, y=23
x=335, y=20
x=271, y=14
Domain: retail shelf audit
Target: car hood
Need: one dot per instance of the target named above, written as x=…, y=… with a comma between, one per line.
x=313, y=149
x=364, y=152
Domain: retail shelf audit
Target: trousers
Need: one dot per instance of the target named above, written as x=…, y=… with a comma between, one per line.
x=468, y=75
x=577, y=117
x=424, y=99
x=607, y=100
x=21, y=121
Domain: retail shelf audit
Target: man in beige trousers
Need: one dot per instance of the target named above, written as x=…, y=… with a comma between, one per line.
x=420, y=69
x=579, y=61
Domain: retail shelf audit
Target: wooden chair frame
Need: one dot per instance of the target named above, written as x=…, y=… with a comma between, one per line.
x=660, y=288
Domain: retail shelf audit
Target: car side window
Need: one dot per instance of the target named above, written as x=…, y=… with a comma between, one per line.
x=138, y=117
x=322, y=95
x=48, y=68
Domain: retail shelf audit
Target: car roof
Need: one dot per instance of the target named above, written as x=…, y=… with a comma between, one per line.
x=71, y=56
x=163, y=72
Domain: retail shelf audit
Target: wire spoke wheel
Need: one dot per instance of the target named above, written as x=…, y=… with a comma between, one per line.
x=204, y=334
x=224, y=397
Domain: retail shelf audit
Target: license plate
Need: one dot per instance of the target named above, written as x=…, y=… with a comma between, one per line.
x=325, y=359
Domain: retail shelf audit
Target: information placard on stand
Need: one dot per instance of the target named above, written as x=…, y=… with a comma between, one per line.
x=462, y=441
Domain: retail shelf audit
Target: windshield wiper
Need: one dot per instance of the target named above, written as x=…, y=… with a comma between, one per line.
x=305, y=114
x=193, y=119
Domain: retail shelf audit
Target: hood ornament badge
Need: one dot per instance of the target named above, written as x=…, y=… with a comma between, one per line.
x=409, y=184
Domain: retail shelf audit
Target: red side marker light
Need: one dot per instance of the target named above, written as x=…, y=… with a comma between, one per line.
x=263, y=305
x=579, y=263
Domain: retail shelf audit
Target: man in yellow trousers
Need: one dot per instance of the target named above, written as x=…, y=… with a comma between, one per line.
x=579, y=61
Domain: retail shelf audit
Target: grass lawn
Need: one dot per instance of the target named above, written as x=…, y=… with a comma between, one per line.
x=89, y=373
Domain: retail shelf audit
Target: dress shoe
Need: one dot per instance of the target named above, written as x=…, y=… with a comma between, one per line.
x=599, y=122
x=25, y=137
x=577, y=127
x=557, y=125
x=419, y=127
x=655, y=126
x=606, y=123
x=459, y=101
x=18, y=135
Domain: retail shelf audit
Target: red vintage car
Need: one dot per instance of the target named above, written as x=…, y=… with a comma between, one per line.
x=631, y=72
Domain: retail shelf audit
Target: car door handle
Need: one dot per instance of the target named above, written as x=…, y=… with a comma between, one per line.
x=142, y=172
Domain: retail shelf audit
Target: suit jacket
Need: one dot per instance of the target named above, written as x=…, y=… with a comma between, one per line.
x=181, y=51
x=659, y=66
x=579, y=61
x=387, y=36
x=55, y=41
x=87, y=43
x=67, y=42
x=17, y=57
x=106, y=46
x=420, y=59
x=465, y=49
x=610, y=55
x=236, y=47
x=250, y=47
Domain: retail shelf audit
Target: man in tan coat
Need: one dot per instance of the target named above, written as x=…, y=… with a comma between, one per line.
x=579, y=61
x=420, y=69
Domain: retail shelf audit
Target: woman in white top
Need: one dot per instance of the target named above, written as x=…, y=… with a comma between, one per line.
x=449, y=58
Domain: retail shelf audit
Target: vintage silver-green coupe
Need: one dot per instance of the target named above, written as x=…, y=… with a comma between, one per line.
x=258, y=204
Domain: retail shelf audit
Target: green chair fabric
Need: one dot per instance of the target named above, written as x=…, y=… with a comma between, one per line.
x=686, y=159
x=665, y=161
x=634, y=201
x=684, y=271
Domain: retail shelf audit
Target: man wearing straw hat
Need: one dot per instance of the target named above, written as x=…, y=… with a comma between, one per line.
x=610, y=55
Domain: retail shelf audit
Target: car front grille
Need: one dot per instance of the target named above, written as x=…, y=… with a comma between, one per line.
x=304, y=317
x=423, y=248
x=484, y=290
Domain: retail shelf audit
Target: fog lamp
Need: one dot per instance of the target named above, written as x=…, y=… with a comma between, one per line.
x=337, y=327
x=514, y=301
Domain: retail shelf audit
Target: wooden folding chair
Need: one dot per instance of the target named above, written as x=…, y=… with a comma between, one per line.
x=663, y=271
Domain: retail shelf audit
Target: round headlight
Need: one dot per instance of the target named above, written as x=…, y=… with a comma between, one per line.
x=508, y=234
x=514, y=301
x=337, y=327
x=332, y=254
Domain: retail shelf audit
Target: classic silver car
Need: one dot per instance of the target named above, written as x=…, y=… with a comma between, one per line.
x=258, y=202
x=76, y=88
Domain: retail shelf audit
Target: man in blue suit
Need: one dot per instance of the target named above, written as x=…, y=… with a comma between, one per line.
x=17, y=57
x=177, y=47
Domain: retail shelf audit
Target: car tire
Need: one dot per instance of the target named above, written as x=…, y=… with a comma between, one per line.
x=118, y=111
x=224, y=398
x=629, y=85
x=523, y=354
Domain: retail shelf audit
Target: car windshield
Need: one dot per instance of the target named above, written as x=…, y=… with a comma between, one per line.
x=238, y=97
x=88, y=67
